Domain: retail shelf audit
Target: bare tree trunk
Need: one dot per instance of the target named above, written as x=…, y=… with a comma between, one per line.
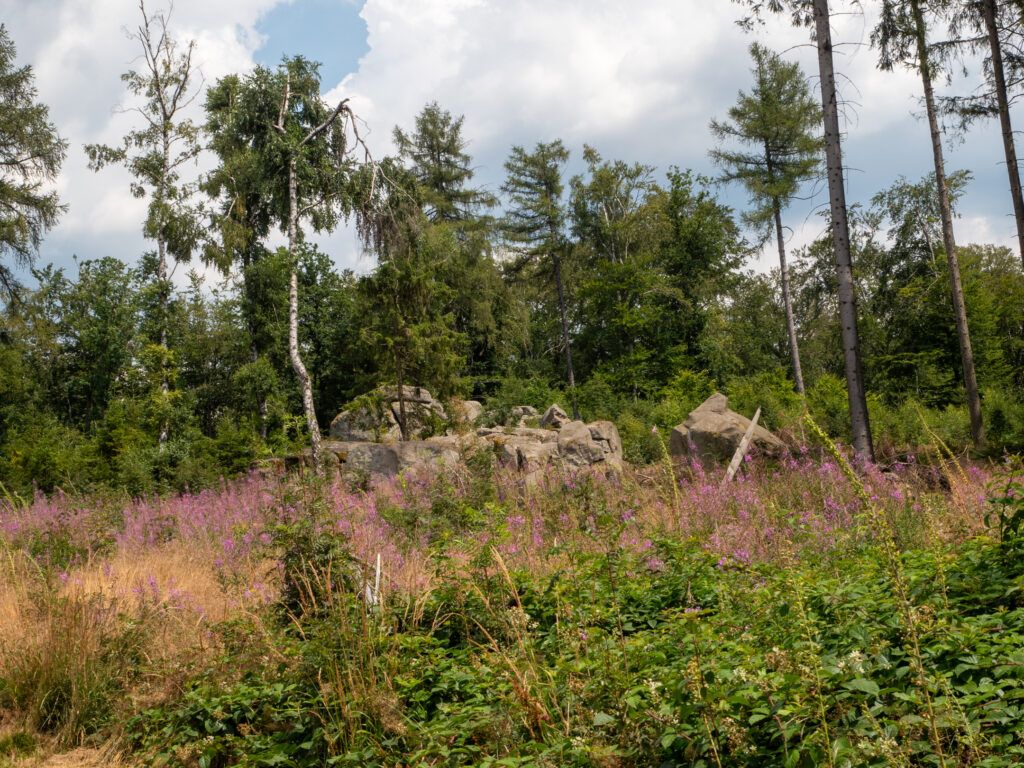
x=988, y=11
x=787, y=300
x=162, y=277
x=293, y=320
x=861, y=427
x=564, y=317
x=948, y=239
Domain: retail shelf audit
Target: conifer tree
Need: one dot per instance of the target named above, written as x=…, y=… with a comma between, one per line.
x=31, y=153
x=780, y=122
x=535, y=224
x=435, y=153
x=817, y=14
x=902, y=38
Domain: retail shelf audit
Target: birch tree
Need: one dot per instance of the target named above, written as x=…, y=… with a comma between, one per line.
x=156, y=154
x=291, y=156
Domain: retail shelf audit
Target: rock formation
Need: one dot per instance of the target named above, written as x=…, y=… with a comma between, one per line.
x=365, y=437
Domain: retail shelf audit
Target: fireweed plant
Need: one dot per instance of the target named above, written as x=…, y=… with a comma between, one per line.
x=811, y=612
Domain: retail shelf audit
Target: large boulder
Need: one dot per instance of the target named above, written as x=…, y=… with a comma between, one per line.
x=522, y=414
x=577, y=447
x=365, y=423
x=378, y=459
x=366, y=437
x=712, y=432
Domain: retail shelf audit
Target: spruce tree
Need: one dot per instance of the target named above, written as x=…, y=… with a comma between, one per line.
x=31, y=153
x=534, y=224
x=435, y=153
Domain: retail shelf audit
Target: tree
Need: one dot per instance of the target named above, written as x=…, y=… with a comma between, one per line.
x=435, y=152
x=410, y=329
x=902, y=38
x=816, y=13
x=990, y=26
x=156, y=153
x=535, y=225
x=298, y=169
x=31, y=153
x=779, y=120
x=441, y=174
x=620, y=222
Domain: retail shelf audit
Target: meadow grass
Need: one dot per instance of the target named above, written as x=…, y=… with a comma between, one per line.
x=808, y=613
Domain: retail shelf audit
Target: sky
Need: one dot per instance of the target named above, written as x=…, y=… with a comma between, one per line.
x=639, y=81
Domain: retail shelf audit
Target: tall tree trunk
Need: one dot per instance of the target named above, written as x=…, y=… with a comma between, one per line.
x=293, y=320
x=161, y=276
x=988, y=11
x=566, y=343
x=948, y=239
x=787, y=300
x=860, y=425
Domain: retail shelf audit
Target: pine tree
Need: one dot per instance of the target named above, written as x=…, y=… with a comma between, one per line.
x=31, y=153
x=780, y=121
x=992, y=28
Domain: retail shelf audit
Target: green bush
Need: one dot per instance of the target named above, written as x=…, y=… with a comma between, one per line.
x=41, y=453
x=829, y=405
x=772, y=392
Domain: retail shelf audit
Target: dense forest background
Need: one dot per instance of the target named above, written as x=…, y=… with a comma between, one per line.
x=621, y=291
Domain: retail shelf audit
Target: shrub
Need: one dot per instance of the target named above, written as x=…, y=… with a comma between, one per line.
x=772, y=392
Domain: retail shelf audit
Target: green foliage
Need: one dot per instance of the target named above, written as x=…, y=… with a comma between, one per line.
x=686, y=664
x=772, y=392
x=40, y=452
x=19, y=744
x=31, y=153
x=410, y=333
x=1007, y=515
x=513, y=391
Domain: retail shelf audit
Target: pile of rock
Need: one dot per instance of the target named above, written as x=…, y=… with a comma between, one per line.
x=367, y=438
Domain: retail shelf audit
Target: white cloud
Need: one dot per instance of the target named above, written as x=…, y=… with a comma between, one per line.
x=78, y=50
x=639, y=81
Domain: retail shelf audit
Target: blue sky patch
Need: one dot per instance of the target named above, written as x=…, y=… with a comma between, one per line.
x=328, y=31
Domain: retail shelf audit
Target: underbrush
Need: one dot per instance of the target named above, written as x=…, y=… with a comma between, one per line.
x=801, y=616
